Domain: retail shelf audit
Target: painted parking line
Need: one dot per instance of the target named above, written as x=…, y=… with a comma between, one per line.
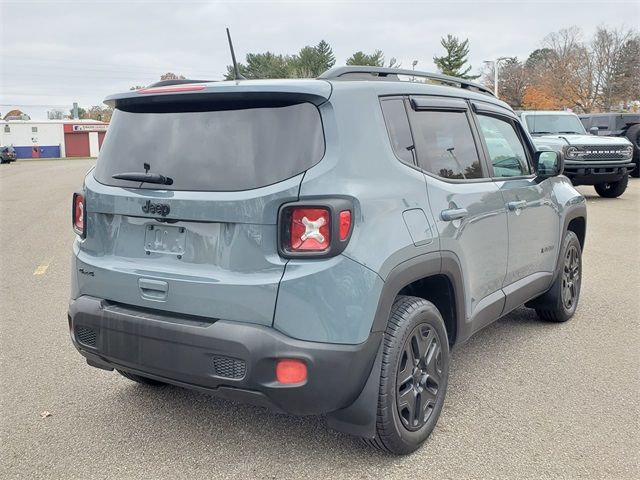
x=42, y=268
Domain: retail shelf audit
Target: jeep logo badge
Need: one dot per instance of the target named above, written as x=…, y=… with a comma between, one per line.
x=153, y=208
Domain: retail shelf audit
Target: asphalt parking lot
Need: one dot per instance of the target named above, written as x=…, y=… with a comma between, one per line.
x=526, y=399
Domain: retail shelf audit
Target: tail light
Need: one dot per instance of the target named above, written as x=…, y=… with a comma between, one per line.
x=314, y=229
x=310, y=229
x=79, y=215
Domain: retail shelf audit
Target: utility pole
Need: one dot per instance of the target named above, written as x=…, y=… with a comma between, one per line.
x=496, y=67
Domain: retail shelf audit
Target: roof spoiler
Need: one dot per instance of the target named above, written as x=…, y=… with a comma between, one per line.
x=391, y=74
x=166, y=83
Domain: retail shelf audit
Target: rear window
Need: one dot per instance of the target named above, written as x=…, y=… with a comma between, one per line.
x=221, y=150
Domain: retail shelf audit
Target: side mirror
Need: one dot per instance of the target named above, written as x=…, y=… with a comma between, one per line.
x=549, y=164
x=593, y=130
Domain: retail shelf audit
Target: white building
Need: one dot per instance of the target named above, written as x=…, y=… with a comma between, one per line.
x=53, y=138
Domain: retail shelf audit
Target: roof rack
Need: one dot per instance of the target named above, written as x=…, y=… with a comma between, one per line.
x=166, y=83
x=391, y=74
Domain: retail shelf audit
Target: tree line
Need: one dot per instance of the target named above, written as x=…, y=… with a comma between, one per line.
x=598, y=74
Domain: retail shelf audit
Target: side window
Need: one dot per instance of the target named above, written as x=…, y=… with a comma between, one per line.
x=445, y=144
x=601, y=122
x=395, y=117
x=506, y=152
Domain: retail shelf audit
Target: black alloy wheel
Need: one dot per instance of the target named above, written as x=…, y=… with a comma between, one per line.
x=413, y=377
x=571, y=277
x=419, y=376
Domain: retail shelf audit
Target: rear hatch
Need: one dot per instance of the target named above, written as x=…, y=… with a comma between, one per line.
x=204, y=242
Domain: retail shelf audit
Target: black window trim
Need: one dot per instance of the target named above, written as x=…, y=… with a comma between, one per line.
x=443, y=104
x=403, y=98
x=512, y=119
x=302, y=173
x=475, y=134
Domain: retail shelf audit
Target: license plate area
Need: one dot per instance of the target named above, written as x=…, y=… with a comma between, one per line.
x=164, y=239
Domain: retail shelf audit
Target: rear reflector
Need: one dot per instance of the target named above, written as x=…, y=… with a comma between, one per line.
x=78, y=214
x=345, y=224
x=310, y=229
x=171, y=89
x=290, y=371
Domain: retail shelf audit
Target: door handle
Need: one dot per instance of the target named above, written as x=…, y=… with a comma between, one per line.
x=453, y=214
x=517, y=205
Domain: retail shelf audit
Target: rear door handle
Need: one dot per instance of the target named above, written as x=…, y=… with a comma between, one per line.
x=517, y=205
x=153, y=289
x=453, y=214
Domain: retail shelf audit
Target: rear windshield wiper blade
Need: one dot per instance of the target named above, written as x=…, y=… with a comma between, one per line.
x=144, y=177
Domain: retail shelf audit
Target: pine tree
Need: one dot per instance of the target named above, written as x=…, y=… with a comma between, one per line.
x=454, y=61
x=264, y=65
x=312, y=61
x=325, y=55
x=376, y=59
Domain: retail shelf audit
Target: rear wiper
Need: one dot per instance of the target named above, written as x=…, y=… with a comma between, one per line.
x=540, y=133
x=575, y=133
x=144, y=177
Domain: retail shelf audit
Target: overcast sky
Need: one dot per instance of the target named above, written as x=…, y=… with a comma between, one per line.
x=56, y=52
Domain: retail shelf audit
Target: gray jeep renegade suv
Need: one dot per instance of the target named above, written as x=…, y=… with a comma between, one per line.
x=317, y=246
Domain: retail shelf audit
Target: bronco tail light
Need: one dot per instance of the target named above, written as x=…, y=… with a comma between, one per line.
x=314, y=229
x=79, y=215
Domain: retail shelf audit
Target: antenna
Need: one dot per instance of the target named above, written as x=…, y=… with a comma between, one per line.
x=236, y=70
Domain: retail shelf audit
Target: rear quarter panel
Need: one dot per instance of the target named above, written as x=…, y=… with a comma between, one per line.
x=336, y=300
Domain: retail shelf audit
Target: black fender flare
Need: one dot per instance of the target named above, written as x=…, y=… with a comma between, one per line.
x=574, y=211
x=359, y=418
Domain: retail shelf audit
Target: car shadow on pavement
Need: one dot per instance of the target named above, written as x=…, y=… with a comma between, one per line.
x=203, y=424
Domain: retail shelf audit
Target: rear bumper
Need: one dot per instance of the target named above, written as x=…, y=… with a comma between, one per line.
x=594, y=172
x=230, y=359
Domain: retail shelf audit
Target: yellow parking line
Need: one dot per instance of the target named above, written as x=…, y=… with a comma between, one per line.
x=42, y=268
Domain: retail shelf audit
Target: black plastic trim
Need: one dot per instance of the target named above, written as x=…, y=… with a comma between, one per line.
x=419, y=103
x=181, y=354
x=204, y=101
x=335, y=205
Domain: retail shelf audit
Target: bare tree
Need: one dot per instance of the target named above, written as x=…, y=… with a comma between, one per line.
x=626, y=83
x=566, y=65
x=594, y=75
x=513, y=80
x=615, y=68
x=56, y=114
x=171, y=76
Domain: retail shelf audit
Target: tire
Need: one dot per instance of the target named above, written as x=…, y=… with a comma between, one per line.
x=142, y=380
x=415, y=335
x=612, y=189
x=559, y=303
x=633, y=134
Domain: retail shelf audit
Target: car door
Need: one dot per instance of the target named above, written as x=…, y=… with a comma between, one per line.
x=532, y=216
x=467, y=206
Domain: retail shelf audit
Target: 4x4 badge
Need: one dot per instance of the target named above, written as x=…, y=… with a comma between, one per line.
x=160, y=208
